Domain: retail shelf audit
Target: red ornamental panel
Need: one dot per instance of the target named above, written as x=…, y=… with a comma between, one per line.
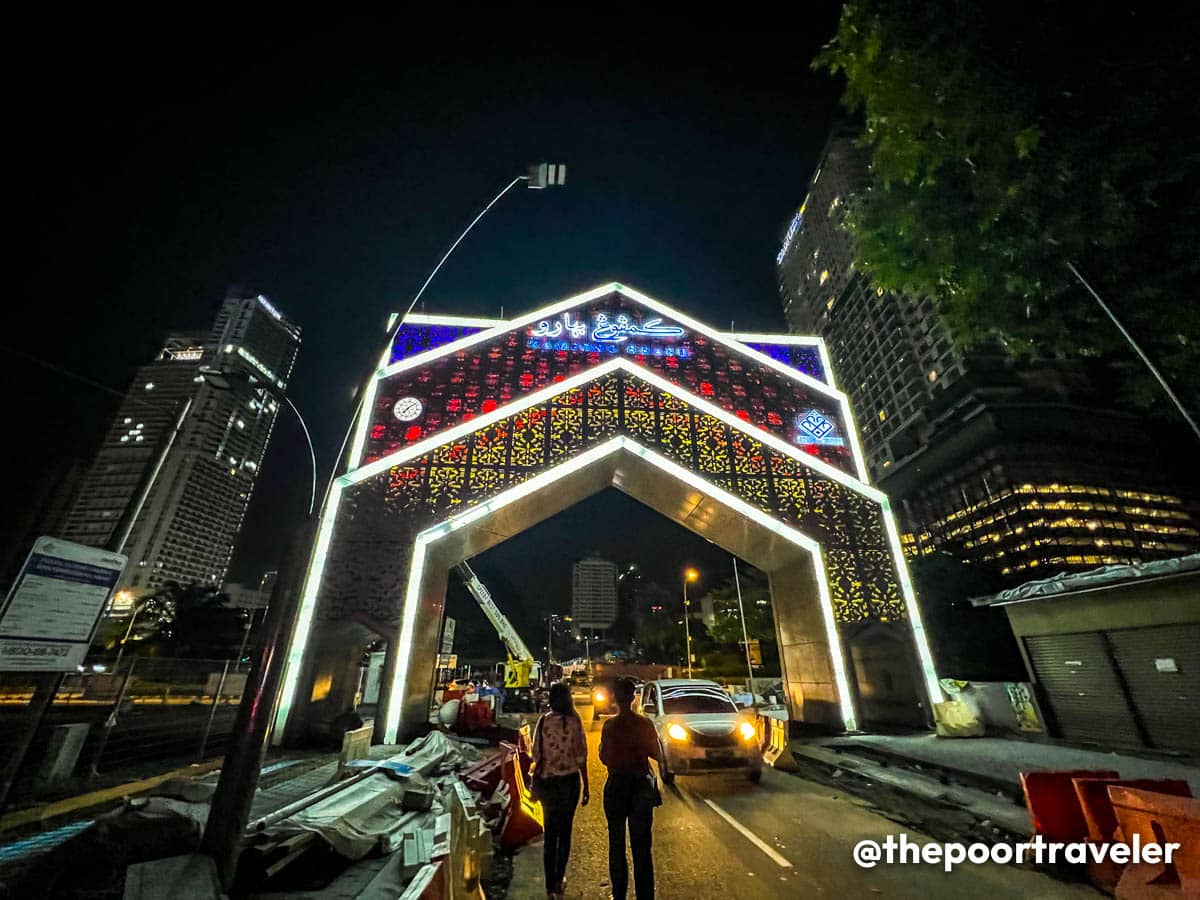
x=455, y=387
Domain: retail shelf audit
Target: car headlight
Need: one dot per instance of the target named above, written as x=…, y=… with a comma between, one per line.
x=747, y=731
x=677, y=732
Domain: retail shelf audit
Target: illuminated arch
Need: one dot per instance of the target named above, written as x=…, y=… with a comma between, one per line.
x=386, y=512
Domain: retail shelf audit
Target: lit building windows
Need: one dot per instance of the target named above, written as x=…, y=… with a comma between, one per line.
x=149, y=385
x=882, y=415
x=824, y=276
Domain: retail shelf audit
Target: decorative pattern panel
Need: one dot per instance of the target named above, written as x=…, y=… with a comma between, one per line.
x=849, y=527
x=457, y=386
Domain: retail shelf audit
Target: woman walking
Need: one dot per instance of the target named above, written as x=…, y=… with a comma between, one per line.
x=560, y=761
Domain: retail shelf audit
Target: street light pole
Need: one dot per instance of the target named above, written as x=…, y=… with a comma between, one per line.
x=689, y=575
x=128, y=631
x=242, y=766
x=745, y=636
x=1162, y=382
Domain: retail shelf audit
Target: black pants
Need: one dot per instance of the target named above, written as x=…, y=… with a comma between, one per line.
x=560, y=796
x=625, y=801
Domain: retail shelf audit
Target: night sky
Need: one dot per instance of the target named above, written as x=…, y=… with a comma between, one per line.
x=331, y=174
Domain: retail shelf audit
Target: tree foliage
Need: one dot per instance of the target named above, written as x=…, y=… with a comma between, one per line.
x=756, y=601
x=179, y=620
x=1008, y=138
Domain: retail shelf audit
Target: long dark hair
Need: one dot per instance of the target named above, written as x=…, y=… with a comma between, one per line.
x=560, y=699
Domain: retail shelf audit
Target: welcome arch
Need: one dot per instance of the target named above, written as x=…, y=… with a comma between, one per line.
x=506, y=423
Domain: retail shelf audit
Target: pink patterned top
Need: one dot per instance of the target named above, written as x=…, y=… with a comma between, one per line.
x=559, y=747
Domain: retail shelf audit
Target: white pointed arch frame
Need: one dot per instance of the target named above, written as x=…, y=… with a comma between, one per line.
x=360, y=473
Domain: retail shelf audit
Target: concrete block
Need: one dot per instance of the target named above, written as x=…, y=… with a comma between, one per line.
x=418, y=796
x=62, y=754
x=193, y=875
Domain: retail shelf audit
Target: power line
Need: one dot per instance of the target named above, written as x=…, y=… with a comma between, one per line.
x=91, y=382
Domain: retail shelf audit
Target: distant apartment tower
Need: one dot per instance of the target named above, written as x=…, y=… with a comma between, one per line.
x=189, y=524
x=594, y=594
x=1022, y=466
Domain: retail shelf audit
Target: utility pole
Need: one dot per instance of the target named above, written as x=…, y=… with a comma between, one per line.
x=689, y=575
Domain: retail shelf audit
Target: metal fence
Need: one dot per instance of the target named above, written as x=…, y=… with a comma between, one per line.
x=151, y=710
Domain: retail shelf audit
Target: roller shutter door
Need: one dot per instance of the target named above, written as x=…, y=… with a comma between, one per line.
x=1161, y=668
x=1080, y=682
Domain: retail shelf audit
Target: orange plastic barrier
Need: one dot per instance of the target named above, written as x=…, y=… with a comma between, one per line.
x=1098, y=809
x=522, y=818
x=1102, y=819
x=1053, y=804
x=1159, y=819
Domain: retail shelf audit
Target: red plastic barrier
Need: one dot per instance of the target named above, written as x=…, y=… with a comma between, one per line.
x=1159, y=819
x=1053, y=804
x=484, y=777
x=476, y=715
x=522, y=820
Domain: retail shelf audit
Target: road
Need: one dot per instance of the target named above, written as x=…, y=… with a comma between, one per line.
x=720, y=836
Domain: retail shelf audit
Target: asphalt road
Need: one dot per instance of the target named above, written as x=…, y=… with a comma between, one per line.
x=720, y=836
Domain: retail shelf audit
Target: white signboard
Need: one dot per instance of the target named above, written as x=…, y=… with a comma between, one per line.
x=49, y=616
x=448, y=636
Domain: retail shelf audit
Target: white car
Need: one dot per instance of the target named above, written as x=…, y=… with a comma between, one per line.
x=701, y=729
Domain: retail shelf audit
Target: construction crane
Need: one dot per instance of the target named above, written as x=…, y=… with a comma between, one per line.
x=520, y=669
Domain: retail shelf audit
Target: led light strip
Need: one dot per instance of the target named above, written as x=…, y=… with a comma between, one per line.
x=453, y=321
x=308, y=606
x=787, y=340
x=412, y=599
x=547, y=312
x=791, y=340
x=619, y=363
x=317, y=564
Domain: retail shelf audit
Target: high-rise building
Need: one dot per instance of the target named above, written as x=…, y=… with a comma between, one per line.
x=594, y=594
x=188, y=526
x=1024, y=466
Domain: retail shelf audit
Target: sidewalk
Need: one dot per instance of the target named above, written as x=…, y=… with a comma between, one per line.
x=1001, y=760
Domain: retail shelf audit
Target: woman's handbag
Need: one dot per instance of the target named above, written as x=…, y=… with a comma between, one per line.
x=535, y=783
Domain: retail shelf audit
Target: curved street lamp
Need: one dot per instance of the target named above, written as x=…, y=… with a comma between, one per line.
x=225, y=379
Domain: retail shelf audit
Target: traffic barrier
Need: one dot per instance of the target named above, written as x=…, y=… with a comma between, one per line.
x=1159, y=819
x=1053, y=804
x=1101, y=819
x=777, y=754
x=484, y=777
x=1097, y=807
x=470, y=843
x=428, y=884
x=521, y=819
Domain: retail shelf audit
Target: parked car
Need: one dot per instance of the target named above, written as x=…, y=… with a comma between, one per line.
x=701, y=729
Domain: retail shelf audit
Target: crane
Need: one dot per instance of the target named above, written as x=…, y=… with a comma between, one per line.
x=521, y=666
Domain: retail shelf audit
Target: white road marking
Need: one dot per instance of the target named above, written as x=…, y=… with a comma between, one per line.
x=749, y=835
